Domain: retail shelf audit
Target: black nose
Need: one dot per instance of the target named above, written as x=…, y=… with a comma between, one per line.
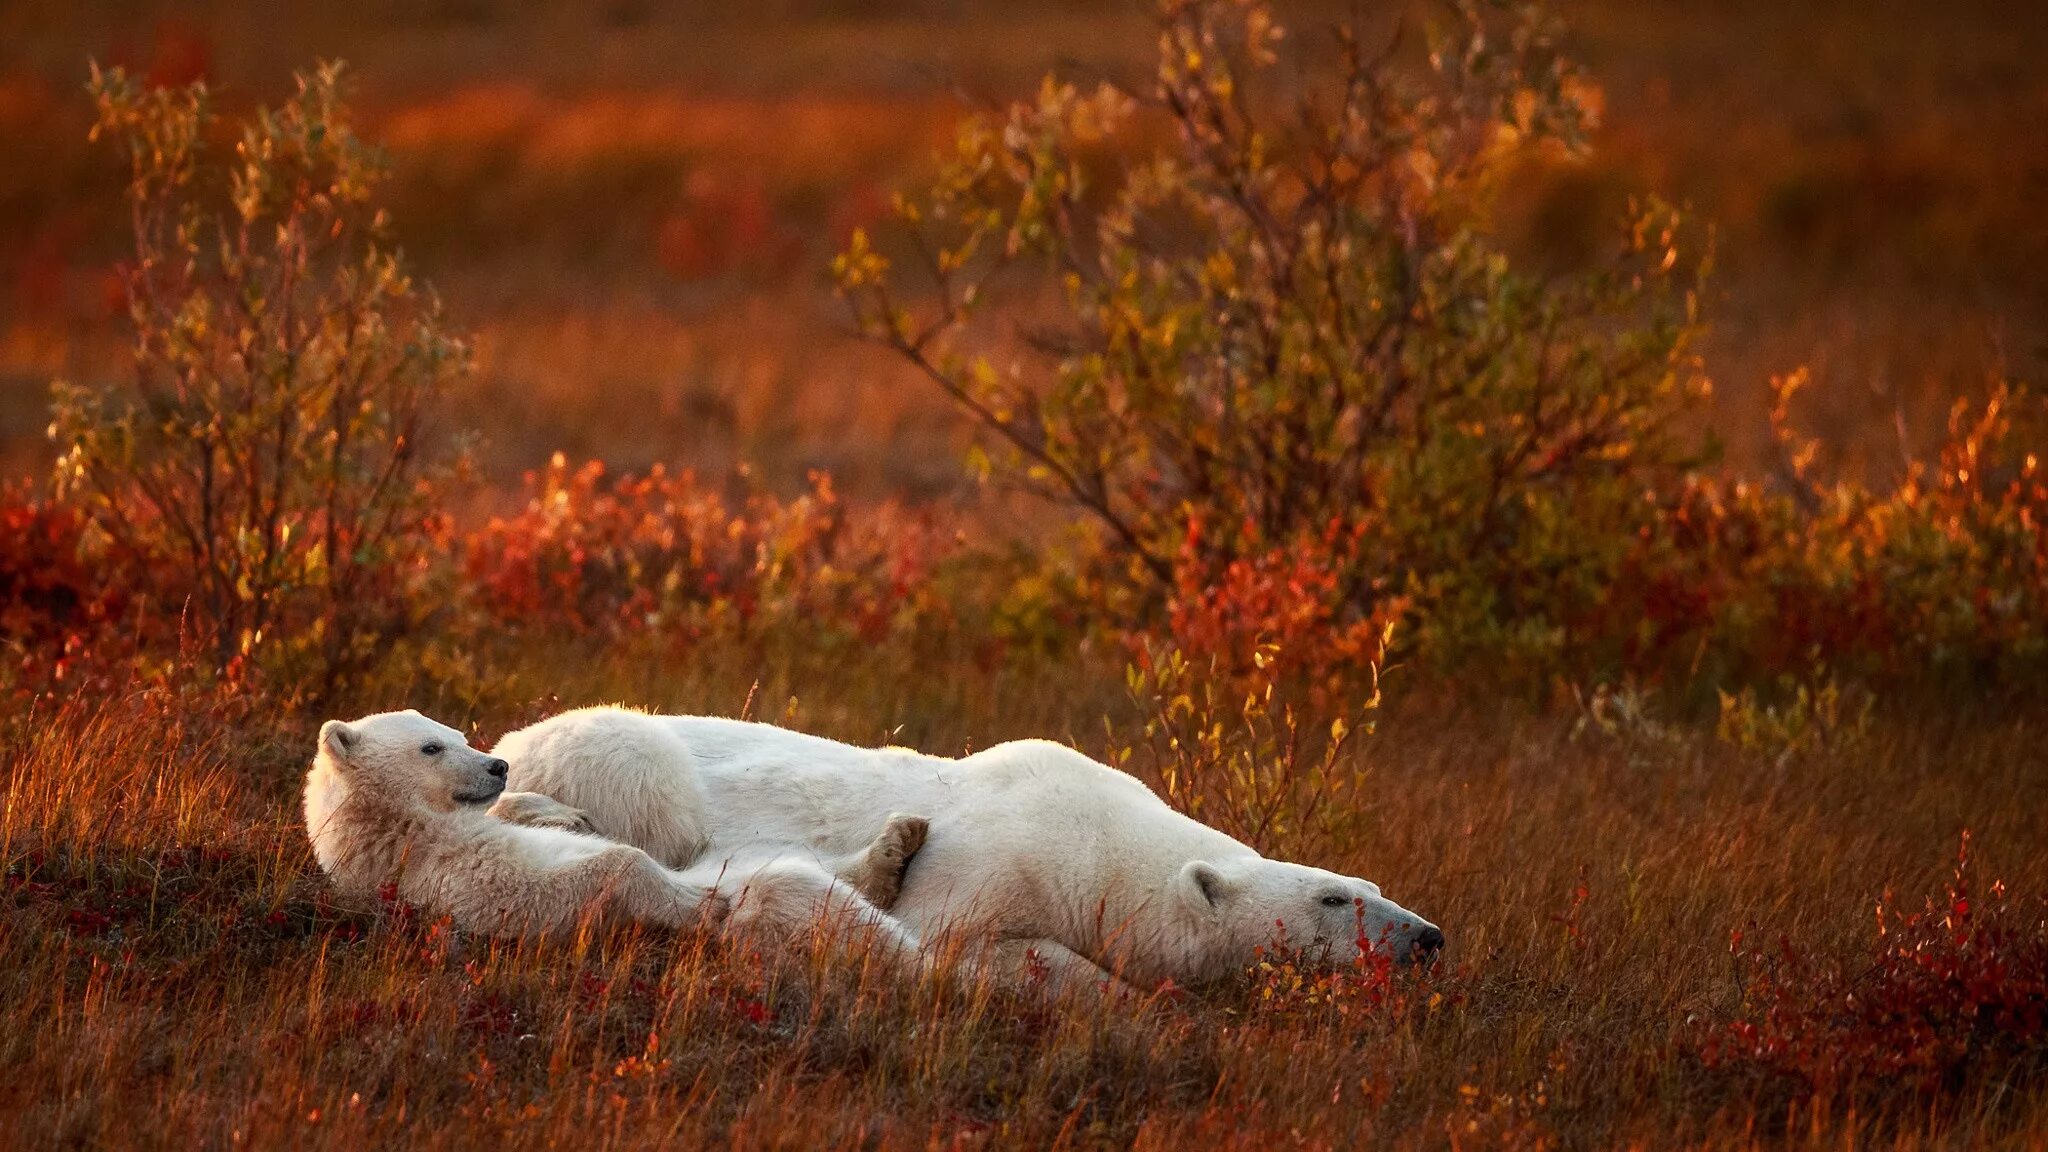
x=1430, y=941
x=498, y=768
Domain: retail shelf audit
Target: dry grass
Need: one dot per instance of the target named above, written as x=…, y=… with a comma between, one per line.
x=175, y=975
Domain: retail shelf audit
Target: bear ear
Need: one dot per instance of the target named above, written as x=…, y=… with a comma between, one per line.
x=1203, y=886
x=337, y=739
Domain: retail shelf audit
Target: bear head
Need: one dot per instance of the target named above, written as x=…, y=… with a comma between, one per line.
x=392, y=764
x=1236, y=905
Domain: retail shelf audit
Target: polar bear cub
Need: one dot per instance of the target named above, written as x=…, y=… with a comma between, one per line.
x=397, y=798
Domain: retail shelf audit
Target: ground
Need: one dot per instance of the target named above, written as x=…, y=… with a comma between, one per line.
x=174, y=971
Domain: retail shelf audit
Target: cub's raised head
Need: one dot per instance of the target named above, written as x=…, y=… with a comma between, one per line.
x=1239, y=904
x=391, y=764
x=407, y=759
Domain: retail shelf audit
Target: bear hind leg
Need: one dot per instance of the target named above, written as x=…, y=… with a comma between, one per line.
x=787, y=898
x=877, y=871
x=1048, y=966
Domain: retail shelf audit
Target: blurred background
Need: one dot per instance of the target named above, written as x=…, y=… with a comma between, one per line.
x=632, y=203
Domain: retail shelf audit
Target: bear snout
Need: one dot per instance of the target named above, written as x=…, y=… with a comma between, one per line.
x=498, y=768
x=1428, y=943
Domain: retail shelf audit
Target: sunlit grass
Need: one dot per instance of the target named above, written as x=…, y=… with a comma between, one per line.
x=175, y=971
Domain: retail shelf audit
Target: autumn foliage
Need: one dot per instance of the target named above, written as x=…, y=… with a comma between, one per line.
x=1952, y=993
x=666, y=557
x=272, y=459
x=1282, y=323
x=60, y=613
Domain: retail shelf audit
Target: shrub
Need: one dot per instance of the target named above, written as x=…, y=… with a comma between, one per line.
x=1279, y=616
x=57, y=611
x=1815, y=717
x=1281, y=325
x=1943, y=578
x=271, y=457
x=1226, y=689
x=1259, y=333
x=665, y=557
x=1954, y=993
x=1226, y=696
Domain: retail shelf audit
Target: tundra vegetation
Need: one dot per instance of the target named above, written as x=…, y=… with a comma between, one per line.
x=1361, y=537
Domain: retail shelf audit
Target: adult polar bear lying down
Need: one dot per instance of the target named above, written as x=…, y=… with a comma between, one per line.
x=1054, y=861
x=399, y=799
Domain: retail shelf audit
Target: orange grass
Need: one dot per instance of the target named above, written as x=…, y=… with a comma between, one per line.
x=173, y=973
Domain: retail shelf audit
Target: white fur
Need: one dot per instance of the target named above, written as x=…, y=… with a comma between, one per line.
x=662, y=812
x=1063, y=864
x=398, y=799
x=382, y=809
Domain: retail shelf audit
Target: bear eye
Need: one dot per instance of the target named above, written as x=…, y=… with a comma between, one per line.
x=431, y=749
x=1335, y=901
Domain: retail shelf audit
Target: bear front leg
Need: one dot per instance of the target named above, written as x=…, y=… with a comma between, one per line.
x=629, y=884
x=535, y=810
x=876, y=871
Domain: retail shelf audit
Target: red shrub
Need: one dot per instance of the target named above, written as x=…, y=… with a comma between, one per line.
x=1287, y=983
x=57, y=606
x=665, y=556
x=1279, y=615
x=1950, y=994
x=1944, y=577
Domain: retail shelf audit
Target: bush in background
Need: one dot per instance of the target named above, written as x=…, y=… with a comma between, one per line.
x=1943, y=579
x=1288, y=378
x=271, y=463
x=1256, y=335
x=59, y=612
x=667, y=558
x=1278, y=327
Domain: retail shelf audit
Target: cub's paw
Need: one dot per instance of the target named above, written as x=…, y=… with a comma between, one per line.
x=568, y=820
x=537, y=811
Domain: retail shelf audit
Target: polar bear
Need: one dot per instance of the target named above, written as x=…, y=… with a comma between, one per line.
x=1047, y=862
x=397, y=798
